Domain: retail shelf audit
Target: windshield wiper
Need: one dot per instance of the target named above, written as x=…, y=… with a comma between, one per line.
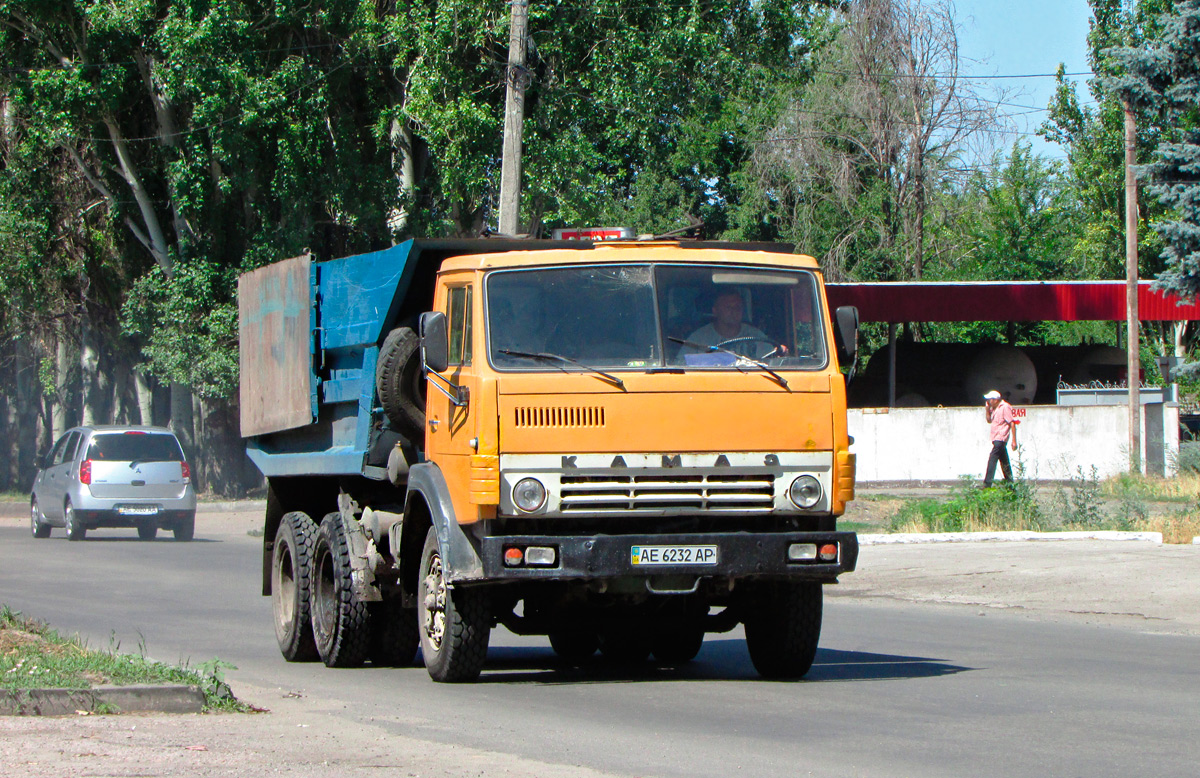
x=547, y=357
x=739, y=359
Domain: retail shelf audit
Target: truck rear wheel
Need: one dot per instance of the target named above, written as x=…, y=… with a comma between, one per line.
x=291, y=587
x=454, y=623
x=394, y=635
x=783, y=628
x=574, y=645
x=679, y=644
x=625, y=643
x=400, y=383
x=341, y=626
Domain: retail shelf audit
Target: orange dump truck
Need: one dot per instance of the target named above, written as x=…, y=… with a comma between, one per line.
x=622, y=446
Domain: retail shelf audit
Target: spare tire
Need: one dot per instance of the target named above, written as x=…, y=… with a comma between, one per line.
x=400, y=382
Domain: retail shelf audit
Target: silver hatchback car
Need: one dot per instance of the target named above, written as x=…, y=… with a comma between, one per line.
x=114, y=477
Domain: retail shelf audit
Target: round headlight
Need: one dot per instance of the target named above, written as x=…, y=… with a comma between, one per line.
x=805, y=491
x=529, y=494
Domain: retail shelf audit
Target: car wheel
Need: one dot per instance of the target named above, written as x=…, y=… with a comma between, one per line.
x=291, y=587
x=71, y=523
x=454, y=622
x=185, y=528
x=341, y=624
x=147, y=531
x=37, y=522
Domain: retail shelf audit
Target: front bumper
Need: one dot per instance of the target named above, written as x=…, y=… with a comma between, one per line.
x=739, y=555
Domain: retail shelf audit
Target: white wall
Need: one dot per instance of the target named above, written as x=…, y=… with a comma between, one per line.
x=943, y=444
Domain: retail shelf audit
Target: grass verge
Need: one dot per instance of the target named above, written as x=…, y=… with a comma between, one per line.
x=34, y=656
x=1125, y=503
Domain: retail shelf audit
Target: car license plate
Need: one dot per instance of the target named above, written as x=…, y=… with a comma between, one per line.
x=643, y=556
x=138, y=510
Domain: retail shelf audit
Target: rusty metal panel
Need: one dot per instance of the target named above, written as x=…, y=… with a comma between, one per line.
x=275, y=331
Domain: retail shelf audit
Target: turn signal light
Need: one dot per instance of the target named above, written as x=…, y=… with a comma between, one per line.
x=829, y=552
x=85, y=472
x=532, y=556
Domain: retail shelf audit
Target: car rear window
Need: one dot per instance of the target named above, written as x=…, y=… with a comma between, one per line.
x=129, y=447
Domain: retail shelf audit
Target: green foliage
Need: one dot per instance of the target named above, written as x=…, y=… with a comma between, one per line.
x=1187, y=461
x=1094, y=140
x=1081, y=504
x=1026, y=224
x=1006, y=506
x=36, y=656
x=189, y=327
x=220, y=135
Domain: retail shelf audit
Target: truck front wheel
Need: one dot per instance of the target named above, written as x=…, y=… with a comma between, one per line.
x=454, y=622
x=783, y=627
x=291, y=587
x=341, y=625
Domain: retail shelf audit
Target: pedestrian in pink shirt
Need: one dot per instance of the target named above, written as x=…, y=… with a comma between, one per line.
x=1000, y=416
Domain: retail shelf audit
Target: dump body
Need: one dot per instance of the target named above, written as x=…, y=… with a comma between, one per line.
x=607, y=434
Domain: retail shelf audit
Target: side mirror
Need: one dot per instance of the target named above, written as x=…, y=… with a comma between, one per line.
x=435, y=341
x=847, y=332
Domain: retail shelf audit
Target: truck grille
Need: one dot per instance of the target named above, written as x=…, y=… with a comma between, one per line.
x=744, y=493
x=560, y=417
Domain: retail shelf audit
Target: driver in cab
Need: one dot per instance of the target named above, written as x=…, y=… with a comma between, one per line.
x=728, y=331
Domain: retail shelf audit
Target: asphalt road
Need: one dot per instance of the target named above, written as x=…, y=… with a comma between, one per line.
x=898, y=689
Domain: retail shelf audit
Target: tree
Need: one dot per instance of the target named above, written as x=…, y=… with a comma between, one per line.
x=1165, y=78
x=856, y=157
x=1024, y=221
x=1094, y=141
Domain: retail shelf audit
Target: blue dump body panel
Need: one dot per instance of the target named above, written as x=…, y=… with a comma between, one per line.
x=355, y=300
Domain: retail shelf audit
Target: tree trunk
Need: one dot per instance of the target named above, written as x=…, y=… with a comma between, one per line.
x=89, y=365
x=62, y=388
x=145, y=397
x=181, y=420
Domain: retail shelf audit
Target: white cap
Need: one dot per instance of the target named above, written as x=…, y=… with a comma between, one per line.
x=992, y=395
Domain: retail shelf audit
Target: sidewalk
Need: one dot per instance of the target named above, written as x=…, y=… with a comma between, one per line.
x=1134, y=584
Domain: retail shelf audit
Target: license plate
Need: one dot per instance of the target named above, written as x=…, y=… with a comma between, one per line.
x=643, y=556
x=138, y=510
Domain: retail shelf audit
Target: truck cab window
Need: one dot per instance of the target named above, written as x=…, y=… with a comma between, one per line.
x=460, y=325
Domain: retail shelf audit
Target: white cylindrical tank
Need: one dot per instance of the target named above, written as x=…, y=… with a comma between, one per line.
x=1004, y=368
x=1103, y=364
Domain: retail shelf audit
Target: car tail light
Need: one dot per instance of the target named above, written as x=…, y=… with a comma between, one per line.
x=186, y=472
x=85, y=472
x=135, y=432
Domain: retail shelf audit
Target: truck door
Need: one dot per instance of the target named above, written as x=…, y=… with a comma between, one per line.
x=451, y=435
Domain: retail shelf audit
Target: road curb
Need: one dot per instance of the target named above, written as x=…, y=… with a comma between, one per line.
x=983, y=537
x=102, y=699
x=230, y=506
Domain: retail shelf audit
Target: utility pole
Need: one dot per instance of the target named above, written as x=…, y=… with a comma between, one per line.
x=1132, y=343
x=514, y=119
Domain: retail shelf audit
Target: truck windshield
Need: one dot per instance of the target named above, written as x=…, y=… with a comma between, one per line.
x=640, y=317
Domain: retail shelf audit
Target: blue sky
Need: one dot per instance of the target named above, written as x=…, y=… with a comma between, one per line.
x=1017, y=37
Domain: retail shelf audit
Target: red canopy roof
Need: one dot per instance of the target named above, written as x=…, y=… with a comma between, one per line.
x=1005, y=301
